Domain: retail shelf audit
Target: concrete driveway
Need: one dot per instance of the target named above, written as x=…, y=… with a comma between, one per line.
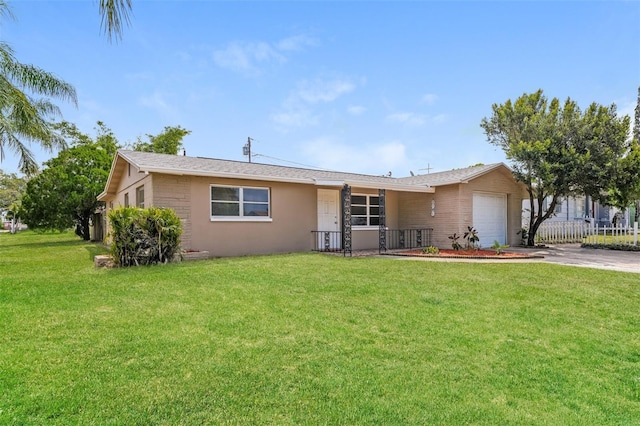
x=574, y=255
x=565, y=254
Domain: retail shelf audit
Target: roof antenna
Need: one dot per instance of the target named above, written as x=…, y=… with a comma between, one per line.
x=411, y=172
x=428, y=168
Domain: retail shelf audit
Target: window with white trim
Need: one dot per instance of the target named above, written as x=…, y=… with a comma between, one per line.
x=365, y=210
x=237, y=202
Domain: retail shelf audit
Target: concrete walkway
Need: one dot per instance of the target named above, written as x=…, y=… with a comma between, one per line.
x=565, y=254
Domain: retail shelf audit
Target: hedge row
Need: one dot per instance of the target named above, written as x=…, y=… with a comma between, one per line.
x=621, y=247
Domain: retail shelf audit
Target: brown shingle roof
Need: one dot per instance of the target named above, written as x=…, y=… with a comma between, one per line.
x=198, y=166
x=451, y=176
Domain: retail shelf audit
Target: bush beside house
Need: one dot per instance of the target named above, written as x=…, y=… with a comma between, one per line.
x=144, y=236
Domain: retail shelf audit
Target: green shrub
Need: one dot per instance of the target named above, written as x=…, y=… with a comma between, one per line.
x=498, y=247
x=431, y=250
x=454, y=241
x=144, y=236
x=471, y=235
x=621, y=247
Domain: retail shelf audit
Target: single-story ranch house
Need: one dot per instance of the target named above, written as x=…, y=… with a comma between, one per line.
x=232, y=208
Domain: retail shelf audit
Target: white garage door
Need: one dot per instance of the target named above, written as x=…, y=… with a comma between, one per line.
x=490, y=217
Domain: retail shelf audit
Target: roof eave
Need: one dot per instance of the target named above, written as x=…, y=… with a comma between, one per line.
x=393, y=187
x=307, y=181
x=109, y=179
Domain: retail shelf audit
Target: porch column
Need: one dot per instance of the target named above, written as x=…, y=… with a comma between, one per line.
x=346, y=219
x=382, y=225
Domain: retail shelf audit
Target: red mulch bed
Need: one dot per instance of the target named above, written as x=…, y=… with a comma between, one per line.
x=470, y=254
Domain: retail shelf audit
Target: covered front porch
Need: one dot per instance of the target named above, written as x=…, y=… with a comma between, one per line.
x=351, y=219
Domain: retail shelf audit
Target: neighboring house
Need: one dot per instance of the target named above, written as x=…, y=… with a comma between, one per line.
x=232, y=208
x=581, y=208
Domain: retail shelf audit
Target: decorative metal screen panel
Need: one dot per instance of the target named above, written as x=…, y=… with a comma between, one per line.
x=346, y=219
x=382, y=230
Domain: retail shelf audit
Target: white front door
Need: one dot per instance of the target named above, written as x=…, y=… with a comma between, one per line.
x=328, y=219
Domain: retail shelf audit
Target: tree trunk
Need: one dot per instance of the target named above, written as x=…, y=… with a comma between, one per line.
x=83, y=230
x=531, y=237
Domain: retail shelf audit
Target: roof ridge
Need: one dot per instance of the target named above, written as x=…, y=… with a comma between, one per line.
x=259, y=164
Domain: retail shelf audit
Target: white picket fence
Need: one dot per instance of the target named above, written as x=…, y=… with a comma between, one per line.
x=584, y=232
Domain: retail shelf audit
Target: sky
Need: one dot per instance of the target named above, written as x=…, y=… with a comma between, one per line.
x=358, y=86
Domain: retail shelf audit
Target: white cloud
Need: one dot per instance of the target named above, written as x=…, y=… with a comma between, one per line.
x=157, y=101
x=379, y=158
x=286, y=120
x=316, y=91
x=440, y=118
x=356, y=110
x=414, y=119
x=408, y=118
x=140, y=76
x=429, y=99
x=295, y=43
x=295, y=111
x=247, y=57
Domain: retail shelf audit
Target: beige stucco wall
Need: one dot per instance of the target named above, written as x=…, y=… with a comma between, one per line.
x=454, y=207
x=293, y=212
x=173, y=191
x=415, y=212
x=131, y=180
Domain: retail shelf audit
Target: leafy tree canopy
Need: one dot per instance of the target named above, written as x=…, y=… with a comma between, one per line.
x=169, y=141
x=627, y=188
x=11, y=188
x=557, y=150
x=64, y=194
x=26, y=106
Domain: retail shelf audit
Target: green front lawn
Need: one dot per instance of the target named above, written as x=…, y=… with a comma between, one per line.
x=312, y=339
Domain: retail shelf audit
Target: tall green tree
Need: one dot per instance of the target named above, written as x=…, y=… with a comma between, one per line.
x=64, y=194
x=625, y=189
x=636, y=137
x=636, y=120
x=557, y=151
x=11, y=188
x=169, y=141
x=26, y=107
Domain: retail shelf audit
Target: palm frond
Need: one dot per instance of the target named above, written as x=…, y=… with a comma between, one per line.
x=114, y=14
x=37, y=80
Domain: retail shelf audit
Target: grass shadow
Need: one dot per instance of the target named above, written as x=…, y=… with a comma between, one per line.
x=95, y=249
